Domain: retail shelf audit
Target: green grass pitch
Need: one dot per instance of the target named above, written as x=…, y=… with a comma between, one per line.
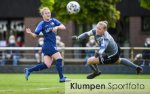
x=47, y=83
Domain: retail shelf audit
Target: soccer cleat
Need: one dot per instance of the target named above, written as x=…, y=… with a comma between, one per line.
x=27, y=73
x=64, y=79
x=139, y=70
x=93, y=75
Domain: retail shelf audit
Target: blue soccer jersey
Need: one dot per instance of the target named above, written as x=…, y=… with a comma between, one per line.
x=49, y=46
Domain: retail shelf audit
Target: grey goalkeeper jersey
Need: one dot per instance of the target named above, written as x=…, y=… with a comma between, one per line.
x=105, y=42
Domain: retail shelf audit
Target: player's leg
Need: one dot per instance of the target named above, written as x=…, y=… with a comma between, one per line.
x=48, y=61
x=57, y=56
x=93, y=60
x=127, y=62
x=92, y=63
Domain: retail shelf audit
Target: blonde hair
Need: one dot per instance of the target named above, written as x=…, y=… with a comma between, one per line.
x=103, y=23
x=43, y=9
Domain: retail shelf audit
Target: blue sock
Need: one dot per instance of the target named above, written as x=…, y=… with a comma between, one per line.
x=38, y=67
x=59, y=68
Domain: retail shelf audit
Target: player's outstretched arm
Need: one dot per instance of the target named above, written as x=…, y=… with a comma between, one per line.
x=81, y=37
x=28, y=31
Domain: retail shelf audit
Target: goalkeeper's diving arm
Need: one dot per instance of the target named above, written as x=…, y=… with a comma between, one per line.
x=83, y=35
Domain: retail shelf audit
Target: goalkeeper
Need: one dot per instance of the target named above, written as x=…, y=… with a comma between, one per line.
x=108, y=52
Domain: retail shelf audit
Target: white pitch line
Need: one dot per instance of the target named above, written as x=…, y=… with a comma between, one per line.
x=46, y=88
x=9, y=90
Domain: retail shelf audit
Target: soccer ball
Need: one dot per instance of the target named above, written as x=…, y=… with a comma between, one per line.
x=73, y=7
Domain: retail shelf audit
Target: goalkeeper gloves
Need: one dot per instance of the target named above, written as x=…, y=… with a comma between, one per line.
x=102, y=57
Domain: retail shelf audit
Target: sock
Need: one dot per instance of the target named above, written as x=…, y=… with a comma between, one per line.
x=59, y=68
x=38, y=67
x=126, y=62
x=94, y=67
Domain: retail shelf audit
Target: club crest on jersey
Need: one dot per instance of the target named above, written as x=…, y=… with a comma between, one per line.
x=52, y=24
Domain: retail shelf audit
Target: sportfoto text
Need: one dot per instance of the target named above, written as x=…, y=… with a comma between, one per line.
x=110, y=86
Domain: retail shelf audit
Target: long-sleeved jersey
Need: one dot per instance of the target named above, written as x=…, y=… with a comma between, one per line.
x=105, y=42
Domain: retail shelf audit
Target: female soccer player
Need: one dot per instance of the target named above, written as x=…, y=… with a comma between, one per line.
x=48, y=26
x=108, y=52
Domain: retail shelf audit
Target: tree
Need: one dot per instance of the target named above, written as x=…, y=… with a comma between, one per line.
x=47, y=3
x=145, y=4
x=91, y=11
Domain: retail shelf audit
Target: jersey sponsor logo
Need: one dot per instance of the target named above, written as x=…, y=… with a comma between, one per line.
x=46, y=26
x=48, y=29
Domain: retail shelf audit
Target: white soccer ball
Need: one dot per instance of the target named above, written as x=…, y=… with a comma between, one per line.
x=73, y=7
